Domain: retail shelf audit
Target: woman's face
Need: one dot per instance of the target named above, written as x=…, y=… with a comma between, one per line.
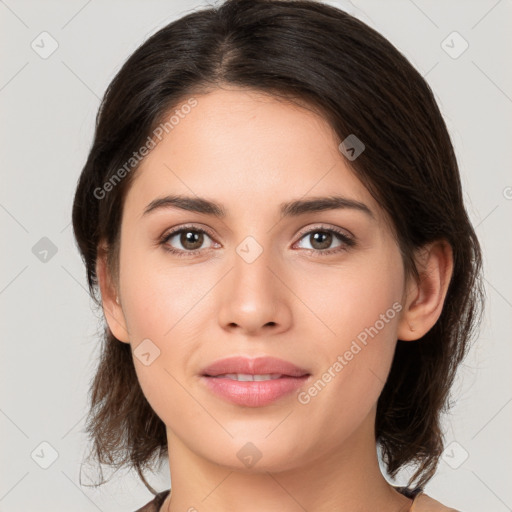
x=256, y=283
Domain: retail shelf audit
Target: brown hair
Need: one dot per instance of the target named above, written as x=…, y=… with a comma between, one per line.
x=362, y=85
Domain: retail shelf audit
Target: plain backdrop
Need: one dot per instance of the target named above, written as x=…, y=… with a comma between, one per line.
x=49, y=329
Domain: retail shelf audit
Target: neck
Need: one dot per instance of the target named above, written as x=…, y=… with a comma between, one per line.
x=347, y=478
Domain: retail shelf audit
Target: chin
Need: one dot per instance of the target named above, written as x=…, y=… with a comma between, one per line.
x=257, y=456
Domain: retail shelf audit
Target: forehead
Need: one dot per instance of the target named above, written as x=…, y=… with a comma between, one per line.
x=246, y=149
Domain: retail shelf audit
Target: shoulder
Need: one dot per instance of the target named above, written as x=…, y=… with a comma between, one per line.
x=424, y=503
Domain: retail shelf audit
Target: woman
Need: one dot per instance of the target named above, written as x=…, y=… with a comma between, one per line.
x=272, y=213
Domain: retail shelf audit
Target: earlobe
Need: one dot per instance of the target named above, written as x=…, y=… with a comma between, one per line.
x=425, y=298
x=112, y=309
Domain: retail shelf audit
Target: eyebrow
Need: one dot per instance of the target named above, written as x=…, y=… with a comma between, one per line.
x=288, y=209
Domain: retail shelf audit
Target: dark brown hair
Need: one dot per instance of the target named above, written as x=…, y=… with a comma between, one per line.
x=321, y=57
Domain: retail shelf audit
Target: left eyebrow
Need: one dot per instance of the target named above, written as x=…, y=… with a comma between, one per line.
x=320, y=204
x=288, y=209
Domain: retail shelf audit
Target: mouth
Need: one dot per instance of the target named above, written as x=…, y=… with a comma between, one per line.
x=253, y=382
x=247, y=377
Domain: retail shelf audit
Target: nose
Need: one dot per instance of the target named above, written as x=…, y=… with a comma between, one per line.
x=254, y=297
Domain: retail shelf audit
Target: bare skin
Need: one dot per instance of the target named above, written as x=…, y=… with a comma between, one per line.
x=250, y=152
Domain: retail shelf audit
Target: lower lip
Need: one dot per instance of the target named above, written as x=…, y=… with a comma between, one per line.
x=253, y=393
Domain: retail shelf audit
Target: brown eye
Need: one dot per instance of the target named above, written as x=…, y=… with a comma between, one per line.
x=185, y=241
x=321, y=240
x=191, y=240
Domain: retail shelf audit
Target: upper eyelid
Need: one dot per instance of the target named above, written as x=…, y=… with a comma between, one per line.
x=180, y=229
x=308, y=230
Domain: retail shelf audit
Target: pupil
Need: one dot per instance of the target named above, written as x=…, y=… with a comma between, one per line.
x=190, y=239
x=318, y=236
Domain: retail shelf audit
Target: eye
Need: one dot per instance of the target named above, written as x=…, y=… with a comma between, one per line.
x=321, y=240
x=191, y=240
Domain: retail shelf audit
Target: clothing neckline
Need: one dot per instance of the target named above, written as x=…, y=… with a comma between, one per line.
x=405, y=491
x=408, y=493
x=160, y=498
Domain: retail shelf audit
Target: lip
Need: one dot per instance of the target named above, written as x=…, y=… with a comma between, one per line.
x=253, y=366
x=253, y=393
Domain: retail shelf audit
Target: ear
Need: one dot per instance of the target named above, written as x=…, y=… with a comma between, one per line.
x=112, y=309
x=424, y=299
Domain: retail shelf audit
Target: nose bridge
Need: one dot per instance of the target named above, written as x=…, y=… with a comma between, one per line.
x=253, y=297
x=251, y=274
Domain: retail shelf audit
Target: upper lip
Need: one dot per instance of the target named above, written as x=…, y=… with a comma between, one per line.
x=253, y=366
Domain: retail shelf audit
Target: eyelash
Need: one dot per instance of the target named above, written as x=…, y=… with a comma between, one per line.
x=342, y=237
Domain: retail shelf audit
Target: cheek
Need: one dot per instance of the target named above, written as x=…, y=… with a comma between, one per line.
x=349, y=299
x=360, y=309
x=159, y=299
x=167, y=306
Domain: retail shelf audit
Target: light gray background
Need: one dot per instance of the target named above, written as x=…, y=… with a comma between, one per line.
x=49, y=342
